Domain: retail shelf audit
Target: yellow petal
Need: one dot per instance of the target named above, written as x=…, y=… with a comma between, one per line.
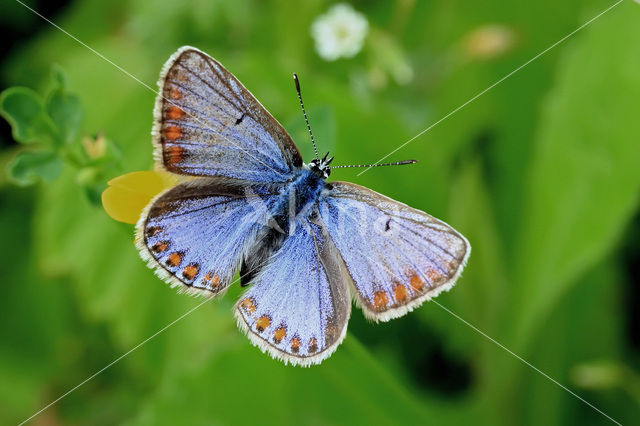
x=127, y=195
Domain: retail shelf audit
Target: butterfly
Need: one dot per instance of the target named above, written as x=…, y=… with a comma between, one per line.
x=304, y=246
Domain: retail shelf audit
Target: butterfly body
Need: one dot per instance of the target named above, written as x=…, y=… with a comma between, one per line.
x=302, y=193
x=297, y=201
x=304, y=247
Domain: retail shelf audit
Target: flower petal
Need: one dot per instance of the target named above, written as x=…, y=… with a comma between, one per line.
x=340, y=32
x=127, y=195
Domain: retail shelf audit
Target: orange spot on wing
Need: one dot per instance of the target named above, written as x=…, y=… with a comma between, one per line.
x=295, y=345
x=332, y=332
x=174, y=154
x=160, y=247
x=248, y=306
x=433, y=275
x=417, y=284
x=212, y=280
x=262, y=323
x=313, y=345
x=380, y=299
x=190, y=271
x=172, y=132
x=174, y=259
x=174, y=112
x=279, y=334
x=400, y=292
x=175, y=94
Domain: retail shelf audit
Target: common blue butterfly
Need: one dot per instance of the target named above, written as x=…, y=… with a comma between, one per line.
x=303, y=246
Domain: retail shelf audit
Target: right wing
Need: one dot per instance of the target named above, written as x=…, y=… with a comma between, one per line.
x=398, y=257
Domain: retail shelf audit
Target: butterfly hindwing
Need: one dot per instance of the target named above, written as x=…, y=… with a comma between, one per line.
x=397, y=256
x=298, y=306
x=196, y=234
x=208, y=124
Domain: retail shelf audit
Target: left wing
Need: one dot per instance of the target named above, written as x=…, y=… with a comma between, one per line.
x=397, y=256
x=298, y=305
x=208, y=124
x=196, y=234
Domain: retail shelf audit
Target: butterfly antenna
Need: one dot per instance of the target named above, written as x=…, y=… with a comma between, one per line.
x=397, y=163
x=313, y=141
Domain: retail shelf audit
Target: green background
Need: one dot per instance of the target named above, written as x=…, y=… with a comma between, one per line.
x=541, y=174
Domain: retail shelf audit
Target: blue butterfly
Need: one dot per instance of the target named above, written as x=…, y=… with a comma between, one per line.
x=303, y=246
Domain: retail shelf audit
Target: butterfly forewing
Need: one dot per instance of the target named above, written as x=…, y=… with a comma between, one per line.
x=298, y=306
x=196, y=234
x=208, y=124
x=397, y=256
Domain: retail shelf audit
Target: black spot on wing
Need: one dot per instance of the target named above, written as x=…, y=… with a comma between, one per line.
x=259, y=255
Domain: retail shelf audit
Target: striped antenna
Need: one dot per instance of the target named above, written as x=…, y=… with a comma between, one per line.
x=397, y=163
x=313, y=141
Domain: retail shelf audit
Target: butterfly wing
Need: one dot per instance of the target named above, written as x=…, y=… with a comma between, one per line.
x=196, y=234
x=298, y=305
x=397, y=256
x=208, y=124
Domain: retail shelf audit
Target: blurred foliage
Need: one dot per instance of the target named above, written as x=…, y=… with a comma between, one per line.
x=52, y=125
x=540, y=174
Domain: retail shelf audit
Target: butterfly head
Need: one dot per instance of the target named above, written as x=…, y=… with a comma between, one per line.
x=321, y=166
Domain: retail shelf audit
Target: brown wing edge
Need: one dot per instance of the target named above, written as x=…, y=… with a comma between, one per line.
x=399, y=311
x=290, y=150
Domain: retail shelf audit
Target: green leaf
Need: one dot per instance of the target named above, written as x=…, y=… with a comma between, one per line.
x=585, y=178
x=478, y=293
x=66, y=112
x=29, y=167
x=58, y=77
x=351, y=387
x=24, y=109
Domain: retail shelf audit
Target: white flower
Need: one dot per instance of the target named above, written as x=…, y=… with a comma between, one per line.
x=339, y=33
